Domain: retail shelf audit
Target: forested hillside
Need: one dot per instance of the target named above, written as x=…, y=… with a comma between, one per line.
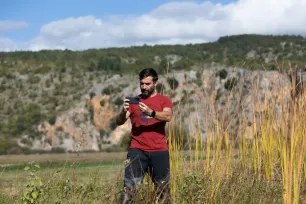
x=255, y=51
x=37, y=86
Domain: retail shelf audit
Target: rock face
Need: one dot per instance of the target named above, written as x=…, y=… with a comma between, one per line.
x=235, y=96
x=77, y=129
x=120, y=132
x=103, y=111
x=202, y=100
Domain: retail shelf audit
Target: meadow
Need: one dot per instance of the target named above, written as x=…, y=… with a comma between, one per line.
x=269, y=167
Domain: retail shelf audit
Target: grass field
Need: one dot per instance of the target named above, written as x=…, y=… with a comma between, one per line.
x=97, y=178
x=86, y=168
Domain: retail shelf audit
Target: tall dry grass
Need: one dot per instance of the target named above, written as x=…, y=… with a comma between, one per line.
x=273, y=159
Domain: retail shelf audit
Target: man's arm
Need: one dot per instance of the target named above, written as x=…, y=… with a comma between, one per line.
x=124, y=114
x=164, y=115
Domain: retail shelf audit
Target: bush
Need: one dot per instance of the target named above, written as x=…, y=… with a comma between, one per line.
x=118, y=101
x=6, y=144
x=173, y=83
x=160, y=87
x=102, y=103
x=183, y=64
x=26, y=121
x=230, y=83
x=92, y=94
x=33, y=79
x=222, y=74
x=163, y=66
x=125, y=141
x=111, y=64
x=91, y=67
x=107, y=90
x=113, y=124
x=199, y=79
x=52, y=119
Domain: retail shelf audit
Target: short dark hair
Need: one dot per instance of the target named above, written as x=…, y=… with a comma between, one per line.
x=148, y=72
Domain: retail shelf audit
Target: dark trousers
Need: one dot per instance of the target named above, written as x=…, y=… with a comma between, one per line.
x=156, y=164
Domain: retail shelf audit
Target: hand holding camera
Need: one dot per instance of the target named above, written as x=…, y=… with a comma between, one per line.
x=126, y=105
x=130, y=100
x=133, y=100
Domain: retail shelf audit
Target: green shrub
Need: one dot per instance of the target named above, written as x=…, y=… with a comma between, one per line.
x=183, y=64
x=52, y=118
x=102, y=103
x=125, y=141
x=160, y=87
x=111, y=89
x=163, y=66
x=33, y=79
x=222, y=74
x=173, y=83
x=6, y=144
x=199, y=79
x=107, y=90
x=110, y=64
x=102, y=133
x=113, y=124
x=92, y=94
x=26, y=121
x=35, y=187
x=48, y=83
x=119, y=101
x=230, y=83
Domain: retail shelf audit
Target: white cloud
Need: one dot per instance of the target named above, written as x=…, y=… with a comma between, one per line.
x=6, y=44
x=174, y=23
x=11, y=25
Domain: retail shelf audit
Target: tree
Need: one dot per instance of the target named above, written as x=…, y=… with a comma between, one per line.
x=164, y=66
x=173, y=83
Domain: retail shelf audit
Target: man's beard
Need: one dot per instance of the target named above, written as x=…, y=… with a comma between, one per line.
x=147, y=93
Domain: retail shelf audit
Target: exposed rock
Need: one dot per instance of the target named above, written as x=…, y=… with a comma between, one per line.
x=173, y=58
x=74, y=131
x=239, y=96
x=120, y=131
x=102, y=113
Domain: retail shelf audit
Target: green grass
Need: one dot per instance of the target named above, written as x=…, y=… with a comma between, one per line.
x=92, y=171
x=14, y=168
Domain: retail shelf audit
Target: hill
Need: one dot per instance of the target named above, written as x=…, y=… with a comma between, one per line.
x=42, y=86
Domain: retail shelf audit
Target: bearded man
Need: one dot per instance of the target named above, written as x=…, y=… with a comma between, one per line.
x=148, y=151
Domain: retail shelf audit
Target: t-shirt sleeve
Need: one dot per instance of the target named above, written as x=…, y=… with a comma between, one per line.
x=167, y=103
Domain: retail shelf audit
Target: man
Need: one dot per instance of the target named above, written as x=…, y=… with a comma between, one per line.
x=148, y=152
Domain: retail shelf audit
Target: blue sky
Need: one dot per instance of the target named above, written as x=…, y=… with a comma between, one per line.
x=39, y=12
x=37, y=24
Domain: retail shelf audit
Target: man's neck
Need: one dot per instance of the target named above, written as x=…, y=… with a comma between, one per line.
x=153, y=94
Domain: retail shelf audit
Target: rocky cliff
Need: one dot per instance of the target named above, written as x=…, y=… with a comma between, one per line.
x=203, y=98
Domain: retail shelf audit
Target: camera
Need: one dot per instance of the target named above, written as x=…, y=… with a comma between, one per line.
x=133, y=100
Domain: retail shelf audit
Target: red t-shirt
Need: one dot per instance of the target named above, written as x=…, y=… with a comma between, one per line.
x=148, y=134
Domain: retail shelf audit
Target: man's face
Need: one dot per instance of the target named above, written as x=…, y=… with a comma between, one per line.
x=147, y=86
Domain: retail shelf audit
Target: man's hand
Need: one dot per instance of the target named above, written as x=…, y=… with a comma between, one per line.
x=126, y=105
x=124, y=114
x=145, y=109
